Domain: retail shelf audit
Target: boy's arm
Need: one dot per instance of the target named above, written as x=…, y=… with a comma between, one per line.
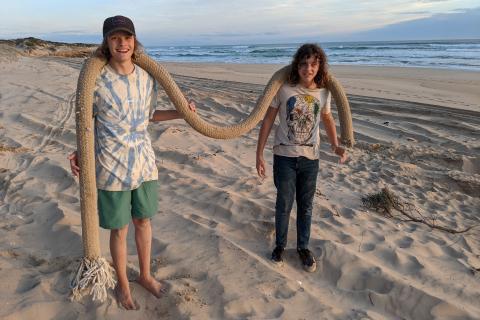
x=331, y=130
x=164, y=115
x=265, y=129
x=74, y=167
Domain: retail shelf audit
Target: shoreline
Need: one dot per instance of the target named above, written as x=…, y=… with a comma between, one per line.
x=439, y=87
x=448, y=88
x=337, y=65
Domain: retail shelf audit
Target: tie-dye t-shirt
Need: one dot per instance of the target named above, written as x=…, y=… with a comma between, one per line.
x=123, y=105
x=298, y=133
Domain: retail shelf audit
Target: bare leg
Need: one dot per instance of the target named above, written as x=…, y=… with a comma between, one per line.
x=143, y=239
x=118, y=250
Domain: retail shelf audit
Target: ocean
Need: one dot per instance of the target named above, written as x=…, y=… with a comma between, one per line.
x=449, y=54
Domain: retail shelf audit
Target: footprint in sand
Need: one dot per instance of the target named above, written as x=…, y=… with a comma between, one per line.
x=203, y=221
x=284, y=292
x=404, y=242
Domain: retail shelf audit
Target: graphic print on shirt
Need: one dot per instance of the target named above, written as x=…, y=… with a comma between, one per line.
x=302, y=112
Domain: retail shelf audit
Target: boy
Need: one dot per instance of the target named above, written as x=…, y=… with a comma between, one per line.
x=300, y=104
x=126, y=173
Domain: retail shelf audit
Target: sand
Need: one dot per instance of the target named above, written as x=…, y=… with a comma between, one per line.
x=455, y=89
x=417, y=132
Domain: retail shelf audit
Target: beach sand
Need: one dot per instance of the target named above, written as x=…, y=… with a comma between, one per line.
x=417, y=133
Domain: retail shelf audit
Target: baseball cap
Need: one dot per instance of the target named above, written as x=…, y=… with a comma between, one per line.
x=117, y=23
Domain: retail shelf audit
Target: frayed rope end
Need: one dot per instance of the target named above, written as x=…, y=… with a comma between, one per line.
x=96, y=274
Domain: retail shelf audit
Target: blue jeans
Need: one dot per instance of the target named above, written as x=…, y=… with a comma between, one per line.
x=294, y=175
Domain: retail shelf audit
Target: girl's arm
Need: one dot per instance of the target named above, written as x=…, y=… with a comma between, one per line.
x=329, y=124
x=267, y=124
x=164, y=115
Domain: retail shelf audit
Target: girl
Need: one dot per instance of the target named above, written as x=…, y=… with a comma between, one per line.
x=301, y=102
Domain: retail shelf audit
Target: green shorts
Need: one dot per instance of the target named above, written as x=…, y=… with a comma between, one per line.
x=116, y=208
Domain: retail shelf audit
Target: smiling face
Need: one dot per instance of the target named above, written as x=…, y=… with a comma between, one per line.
x=121, y=45
x=307, y=70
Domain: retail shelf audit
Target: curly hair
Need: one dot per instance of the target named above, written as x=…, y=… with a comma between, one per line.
x=307, y=51
x=104, y=52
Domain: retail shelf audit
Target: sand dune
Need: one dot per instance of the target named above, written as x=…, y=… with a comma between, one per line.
x=215, y=229
x=34, y=47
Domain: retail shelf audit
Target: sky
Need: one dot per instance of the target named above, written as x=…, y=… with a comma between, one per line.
x=162, y=22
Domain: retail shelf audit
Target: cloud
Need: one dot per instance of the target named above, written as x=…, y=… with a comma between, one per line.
x=457, y=25
x=70, y=32
x=219, y=21
x=238, y=34
x=415, y=12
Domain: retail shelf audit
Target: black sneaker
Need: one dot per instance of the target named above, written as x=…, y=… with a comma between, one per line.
x=277, y=255
x=308, y=261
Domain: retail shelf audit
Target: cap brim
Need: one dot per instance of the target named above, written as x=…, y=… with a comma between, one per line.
x=119, y=29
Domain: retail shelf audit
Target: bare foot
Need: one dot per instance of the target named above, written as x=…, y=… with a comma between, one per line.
x=125, y=298
x=153, y=286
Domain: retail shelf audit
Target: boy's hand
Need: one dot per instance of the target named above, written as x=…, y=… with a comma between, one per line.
x=341, y=152
x=74, y=164
x=261, y=167
x=192, y=106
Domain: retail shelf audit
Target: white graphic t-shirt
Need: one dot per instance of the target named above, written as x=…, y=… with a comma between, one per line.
x=298, y=133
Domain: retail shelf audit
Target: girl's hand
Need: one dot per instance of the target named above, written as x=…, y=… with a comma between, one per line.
x=261, y=167
x=192, y=106
x=73, y=157
x=341, y=152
